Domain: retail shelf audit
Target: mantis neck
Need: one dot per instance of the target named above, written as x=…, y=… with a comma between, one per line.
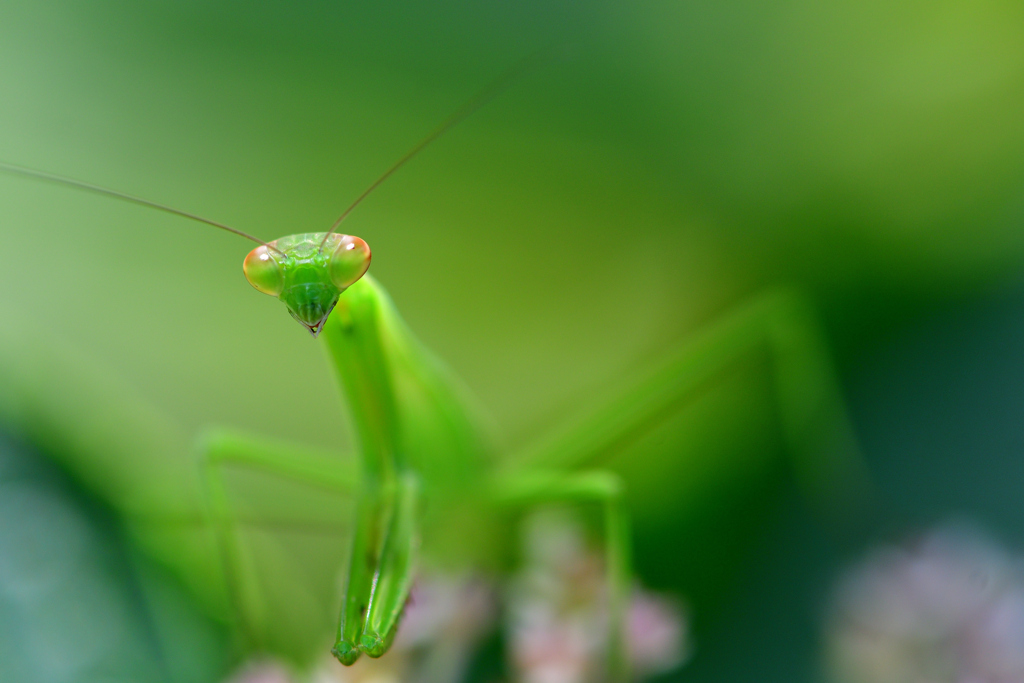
x=356, y=345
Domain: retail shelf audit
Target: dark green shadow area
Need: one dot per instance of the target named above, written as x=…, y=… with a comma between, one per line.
x=938, y=411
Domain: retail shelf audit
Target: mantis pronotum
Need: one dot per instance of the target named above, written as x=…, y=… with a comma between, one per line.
x=424, y=466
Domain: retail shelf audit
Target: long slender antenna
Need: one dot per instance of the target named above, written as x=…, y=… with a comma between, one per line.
x=70, y=182
x=482, y=98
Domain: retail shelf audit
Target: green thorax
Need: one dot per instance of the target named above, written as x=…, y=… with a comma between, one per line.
x=407, y=410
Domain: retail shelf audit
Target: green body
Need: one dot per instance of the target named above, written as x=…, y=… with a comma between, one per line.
x=260, y=531
x=414, y=433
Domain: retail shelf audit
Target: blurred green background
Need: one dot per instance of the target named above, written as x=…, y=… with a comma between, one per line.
x=671, y=160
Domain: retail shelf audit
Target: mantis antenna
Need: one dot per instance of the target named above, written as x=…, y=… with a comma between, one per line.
x=70, y=182
x=482, y=98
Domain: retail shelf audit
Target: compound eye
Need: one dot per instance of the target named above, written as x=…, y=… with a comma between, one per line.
x=349, y=261
x=263, y=272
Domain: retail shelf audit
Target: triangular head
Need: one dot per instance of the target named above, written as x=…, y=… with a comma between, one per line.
x=308, y=273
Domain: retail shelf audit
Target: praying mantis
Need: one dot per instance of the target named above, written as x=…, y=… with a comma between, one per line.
x=276, y=537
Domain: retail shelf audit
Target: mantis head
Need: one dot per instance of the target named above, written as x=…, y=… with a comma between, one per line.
x=308, y=272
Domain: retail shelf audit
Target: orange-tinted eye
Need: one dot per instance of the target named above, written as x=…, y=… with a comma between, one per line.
x=263, y=272
x=349, y=261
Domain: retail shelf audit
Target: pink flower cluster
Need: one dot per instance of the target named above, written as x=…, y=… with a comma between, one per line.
x=947, y=607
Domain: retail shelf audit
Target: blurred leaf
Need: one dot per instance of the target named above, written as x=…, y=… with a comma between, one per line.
x=78, y=604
